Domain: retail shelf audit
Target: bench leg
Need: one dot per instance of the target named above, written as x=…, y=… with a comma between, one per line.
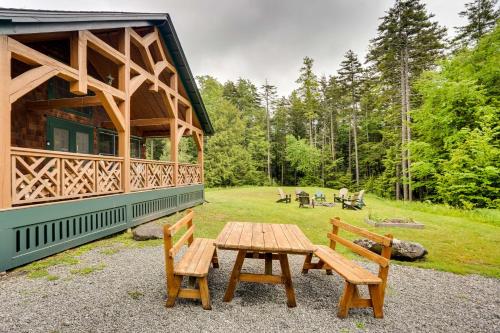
x=345, y=300
x=307, y=262
x=376, y=296
x=173, y=290
x=235, y=276
x=215, y=260
x=287, y=279
x=204, y=293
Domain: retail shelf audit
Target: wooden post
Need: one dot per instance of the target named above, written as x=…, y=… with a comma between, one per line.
x=124, y=85
x=174, y=156
x=78, y=60
x=5, y=124
x=200, y=158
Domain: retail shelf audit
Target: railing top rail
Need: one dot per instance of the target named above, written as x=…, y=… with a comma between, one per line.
x=51, y=153
x=189, y=164
x=141, y=160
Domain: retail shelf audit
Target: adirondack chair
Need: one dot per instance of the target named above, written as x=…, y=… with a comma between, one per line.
x=297, y=193
x=341, y=196
x=355, y=202
x=305, y=200
x=286, y=198
x=319, y=196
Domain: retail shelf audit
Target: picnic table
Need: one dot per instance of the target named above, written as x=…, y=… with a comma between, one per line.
x=263, y=241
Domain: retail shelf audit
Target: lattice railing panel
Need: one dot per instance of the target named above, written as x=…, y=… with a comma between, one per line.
x=40, y=175
x=78, y=177
x=109, y=176
x=148, y=174
x=189, y=174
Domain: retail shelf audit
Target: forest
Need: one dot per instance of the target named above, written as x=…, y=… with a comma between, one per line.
x=416, y=118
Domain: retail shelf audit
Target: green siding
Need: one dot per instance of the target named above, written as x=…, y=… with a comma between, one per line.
x=31, y=233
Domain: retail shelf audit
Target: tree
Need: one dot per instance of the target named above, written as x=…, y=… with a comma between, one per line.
x=350, y=78
x=245, y=96
x=227, y=161
x=458, y=128
x=304, y=158
x=309, y=94
x=481, y=18
x=407, y=44
x=269, y=98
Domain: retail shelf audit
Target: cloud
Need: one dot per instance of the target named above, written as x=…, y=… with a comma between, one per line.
x=263, y=39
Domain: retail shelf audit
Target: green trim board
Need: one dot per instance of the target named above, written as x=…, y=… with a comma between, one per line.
x=33, y=232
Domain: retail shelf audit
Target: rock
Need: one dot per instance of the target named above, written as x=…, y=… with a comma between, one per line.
x=401, y=250
x=148, y=231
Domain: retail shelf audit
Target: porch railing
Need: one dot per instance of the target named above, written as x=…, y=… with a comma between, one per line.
x=189, y=174
x=149, y=174
x=41, y=175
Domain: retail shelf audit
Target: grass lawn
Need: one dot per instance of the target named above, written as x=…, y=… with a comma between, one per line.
x=458, y=241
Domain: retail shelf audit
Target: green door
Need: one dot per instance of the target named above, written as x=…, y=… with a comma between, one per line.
x=68, y=136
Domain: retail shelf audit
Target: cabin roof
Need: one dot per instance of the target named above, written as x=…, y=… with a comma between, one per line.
x=23, y=21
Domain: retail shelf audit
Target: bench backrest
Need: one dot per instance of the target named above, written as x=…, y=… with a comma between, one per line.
x=172, y=249
x=281, y=193
x=385, y=242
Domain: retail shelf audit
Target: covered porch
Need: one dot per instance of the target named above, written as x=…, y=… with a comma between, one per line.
x=77, y=130
x=79, y=102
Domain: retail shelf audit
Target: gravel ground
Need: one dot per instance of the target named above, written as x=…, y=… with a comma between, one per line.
x=128, y=295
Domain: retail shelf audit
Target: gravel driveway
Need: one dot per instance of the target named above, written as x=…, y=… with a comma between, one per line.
x=128, y=293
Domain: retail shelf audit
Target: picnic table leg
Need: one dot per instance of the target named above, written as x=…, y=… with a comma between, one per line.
x=235, y=276
x=307, y=263
x=287, y=280
x=269, y=263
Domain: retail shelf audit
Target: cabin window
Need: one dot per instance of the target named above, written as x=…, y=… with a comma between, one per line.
x=108, y=144
x=68, y=136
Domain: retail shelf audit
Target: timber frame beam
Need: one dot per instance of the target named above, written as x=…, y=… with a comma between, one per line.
x=115, y=100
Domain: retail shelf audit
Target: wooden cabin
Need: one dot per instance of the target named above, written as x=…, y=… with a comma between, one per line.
x=80, y=94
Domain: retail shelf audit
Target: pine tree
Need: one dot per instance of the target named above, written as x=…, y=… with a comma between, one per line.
x=309, y=94
x=407, y=44
x=350, y=78
x=481, y=18
x=269, y=99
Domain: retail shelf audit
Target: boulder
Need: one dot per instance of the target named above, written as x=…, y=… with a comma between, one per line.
x=401, y=250
x=148, y=231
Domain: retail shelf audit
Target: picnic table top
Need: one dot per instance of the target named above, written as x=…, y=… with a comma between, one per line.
x=263, y=237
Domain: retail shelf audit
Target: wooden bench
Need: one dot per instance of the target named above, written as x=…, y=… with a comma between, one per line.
x=286, y=198
x=194, y=264
x=354, y=274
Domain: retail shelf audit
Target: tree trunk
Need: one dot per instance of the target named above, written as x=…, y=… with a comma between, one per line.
x=408, y=126
x=398, y=195
x=332, y=135
x=349, y=165
x=355, y=138
x=268, y=121
x=403, y=126
x=311, y=142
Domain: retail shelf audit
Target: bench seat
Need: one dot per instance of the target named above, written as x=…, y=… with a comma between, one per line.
x=349, y=270
x=197, y=258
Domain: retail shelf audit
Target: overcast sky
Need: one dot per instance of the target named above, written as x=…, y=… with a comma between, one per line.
x=259, y=39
